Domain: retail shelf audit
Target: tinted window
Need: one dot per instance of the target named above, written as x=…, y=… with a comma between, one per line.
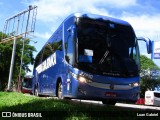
x=55, y=43
x=27, y=82
x=111, y=48
x=157, y=95
x=38, y=59
x=70, y=49
x=51, y=48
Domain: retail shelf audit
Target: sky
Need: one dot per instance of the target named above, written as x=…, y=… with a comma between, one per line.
x=143, y=15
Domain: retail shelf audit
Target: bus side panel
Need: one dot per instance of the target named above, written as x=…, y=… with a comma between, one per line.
x=34, y=80
x=50, y=59
x=56, y=72
x=47, y=79
x=67, y=36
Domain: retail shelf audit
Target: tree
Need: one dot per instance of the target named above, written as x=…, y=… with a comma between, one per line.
x=5, y=58
x=147, y=82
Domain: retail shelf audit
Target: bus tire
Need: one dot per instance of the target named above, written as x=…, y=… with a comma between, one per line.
x=59, y=90
x=109, y=102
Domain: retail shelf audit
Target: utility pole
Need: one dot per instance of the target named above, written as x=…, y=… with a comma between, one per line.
x=25, y=35
x=11, y=65
x=12, y=59
x=14, y=33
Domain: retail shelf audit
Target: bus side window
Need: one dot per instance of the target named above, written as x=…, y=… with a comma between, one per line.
x=54, y=44
x=47, y=51
x=69, y=50
x=57, y=43
x=38, y=59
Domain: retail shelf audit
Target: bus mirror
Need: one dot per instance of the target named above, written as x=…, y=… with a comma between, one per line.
x=148, y=44
x=69, y=29
x=73, y=32
x=72, y=29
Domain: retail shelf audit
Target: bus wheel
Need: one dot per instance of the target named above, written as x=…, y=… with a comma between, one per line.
x=59, y=91
x=109, y=102
x=36, y=91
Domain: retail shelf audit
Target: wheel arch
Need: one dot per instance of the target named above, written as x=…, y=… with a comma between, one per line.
x=59, y=79
x=35, y=86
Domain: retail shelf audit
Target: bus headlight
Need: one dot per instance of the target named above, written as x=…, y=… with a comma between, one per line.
x=135, y=84
x=81, y=78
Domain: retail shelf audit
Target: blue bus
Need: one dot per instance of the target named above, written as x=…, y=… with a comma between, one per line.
x=90, y=57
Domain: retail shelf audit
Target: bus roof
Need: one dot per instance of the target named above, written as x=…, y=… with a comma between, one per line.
x=91, y=16
x=97, y=17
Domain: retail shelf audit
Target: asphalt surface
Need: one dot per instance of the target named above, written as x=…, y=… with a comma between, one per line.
x=143, y=107
x=122, y=105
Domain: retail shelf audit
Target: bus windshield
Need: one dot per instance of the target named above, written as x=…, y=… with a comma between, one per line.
x=27, y=83
x=107, y=48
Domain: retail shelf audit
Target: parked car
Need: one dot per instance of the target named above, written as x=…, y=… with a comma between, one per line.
x=152, y=98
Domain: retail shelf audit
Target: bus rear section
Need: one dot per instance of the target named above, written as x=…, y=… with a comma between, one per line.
x=26, y=86
x=152, y=98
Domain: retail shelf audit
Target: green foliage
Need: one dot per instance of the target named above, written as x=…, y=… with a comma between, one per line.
x=146, y=82
x=147, y=63
x=63, y=109
x=5, y=59
x=14, y=99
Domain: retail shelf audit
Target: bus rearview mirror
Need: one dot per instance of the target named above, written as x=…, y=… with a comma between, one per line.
x=148, y=44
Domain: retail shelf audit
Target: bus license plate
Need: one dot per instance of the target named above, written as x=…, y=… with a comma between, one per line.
x=110, y=94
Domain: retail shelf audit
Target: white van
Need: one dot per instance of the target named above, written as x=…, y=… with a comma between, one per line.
x=152, y=98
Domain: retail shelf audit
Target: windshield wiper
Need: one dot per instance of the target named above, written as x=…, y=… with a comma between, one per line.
x=104, y=57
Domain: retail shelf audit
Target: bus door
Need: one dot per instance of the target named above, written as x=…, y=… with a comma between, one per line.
x=70, y=58
x=69, y=82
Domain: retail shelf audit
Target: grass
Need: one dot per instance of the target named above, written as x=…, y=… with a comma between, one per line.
x=62, y=109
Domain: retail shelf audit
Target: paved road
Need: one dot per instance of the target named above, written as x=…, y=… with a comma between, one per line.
x=122, y=105
x=117, y=104
x=137, y=106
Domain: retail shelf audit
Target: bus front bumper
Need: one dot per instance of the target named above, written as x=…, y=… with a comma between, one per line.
x=123, y=93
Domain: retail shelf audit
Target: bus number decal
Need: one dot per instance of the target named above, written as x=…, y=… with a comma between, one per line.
x=86, y=75
x=49, y=62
